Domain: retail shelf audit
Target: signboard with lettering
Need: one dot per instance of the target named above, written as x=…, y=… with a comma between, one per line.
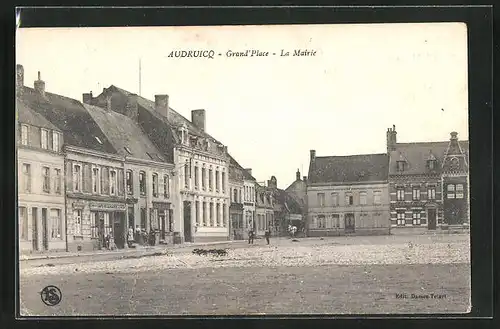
x=108, y=206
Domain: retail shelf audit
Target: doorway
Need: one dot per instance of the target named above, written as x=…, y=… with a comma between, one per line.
x=349, y=223
x=187, y=222
x=45, y=231
x=431, y=219
x=34, y=228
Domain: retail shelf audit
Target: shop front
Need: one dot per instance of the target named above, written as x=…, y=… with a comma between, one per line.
x=108, y=227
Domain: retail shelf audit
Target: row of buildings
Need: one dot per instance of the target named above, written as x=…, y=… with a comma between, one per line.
x=413, y=187
x=92, y=168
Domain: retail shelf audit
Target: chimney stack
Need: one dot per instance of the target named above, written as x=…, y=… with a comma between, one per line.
x=297, y=175
x=313, y=155
x=198, y=119
x=249, y=171
x=161, y=104
x=87, y=98
x=19, y=77
x=40, y=85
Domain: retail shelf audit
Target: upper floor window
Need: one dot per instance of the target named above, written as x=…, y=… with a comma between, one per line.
x=431, y=193
x=416, y=193
x=96, y=180
x=400, y=194
x=321, y=199
x=203, y=177
x=155, y=185
x=401, y=165
x=57, y=181
x=377, y=197
x=24, y=134
x=112, y=182
x=166, y=186
x=196, y=177
x=349, y=199
x=77, y=178
x=335, y=199
x=26, y=177
x=142, y=183
x=362, y=198
x=45, y=139
x=46, y=179
x=129, y=178
x=55, y=141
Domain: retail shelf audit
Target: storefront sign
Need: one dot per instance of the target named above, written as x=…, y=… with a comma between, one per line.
x=107, y=206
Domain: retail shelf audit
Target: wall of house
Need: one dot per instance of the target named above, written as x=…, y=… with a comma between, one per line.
x=35, y=203
x=203, y=228
x=410, y=209
x=329, y=217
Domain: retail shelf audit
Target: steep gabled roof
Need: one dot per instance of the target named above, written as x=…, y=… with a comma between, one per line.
x=28, y=116
x=125, y=135
x=417, y=154
x=349, y=169
x=71, y=117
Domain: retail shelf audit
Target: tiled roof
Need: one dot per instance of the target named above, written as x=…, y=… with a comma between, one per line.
x=28, y=116
x=126, y=135
x=349, y=169
x=417, y=154
x=71, y=117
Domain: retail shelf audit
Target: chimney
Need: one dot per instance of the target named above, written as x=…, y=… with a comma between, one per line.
x=19, y=77
x=297, y=174
x=391, y=138
x=87, y=98
x=161, y=104
x=40, y=85
x=453, y=136
x=198, y=119
x=304, y=178
x=249, y=171
x=313, y=155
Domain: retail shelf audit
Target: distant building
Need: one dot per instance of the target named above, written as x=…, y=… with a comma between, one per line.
x=201, y=209
x=348, y=195
x=40, y=165
x=428, y=183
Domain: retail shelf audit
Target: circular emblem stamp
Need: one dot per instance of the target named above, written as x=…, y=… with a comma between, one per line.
x=51, y=295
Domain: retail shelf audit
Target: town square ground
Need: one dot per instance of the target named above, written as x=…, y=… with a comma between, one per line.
x=343, y=275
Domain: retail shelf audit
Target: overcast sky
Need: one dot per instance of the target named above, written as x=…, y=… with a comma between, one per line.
x=270, y=111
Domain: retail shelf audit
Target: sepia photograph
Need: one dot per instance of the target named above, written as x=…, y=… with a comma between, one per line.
x=243, y=170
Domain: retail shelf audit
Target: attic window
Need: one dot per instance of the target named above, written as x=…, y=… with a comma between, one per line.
x=401, y=165
x=128, y=150
x=98, y=140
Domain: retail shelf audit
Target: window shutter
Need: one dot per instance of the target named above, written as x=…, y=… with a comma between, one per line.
x=105, y=180
x=87, y=178
x=120, y=181
x=69, y=175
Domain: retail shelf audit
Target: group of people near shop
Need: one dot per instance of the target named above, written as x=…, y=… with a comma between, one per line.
x=141, y=237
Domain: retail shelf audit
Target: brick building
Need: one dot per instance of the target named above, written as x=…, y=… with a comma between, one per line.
x=428, y=183
x=348, y=195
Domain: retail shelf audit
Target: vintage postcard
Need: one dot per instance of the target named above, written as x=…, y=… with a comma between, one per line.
x=243, y=170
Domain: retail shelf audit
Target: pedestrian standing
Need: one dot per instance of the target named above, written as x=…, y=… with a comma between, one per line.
x=267, y=234
x=250, y=236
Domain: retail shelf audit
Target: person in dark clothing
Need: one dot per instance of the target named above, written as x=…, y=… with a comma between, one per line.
x=250, y=236
x=267, y=234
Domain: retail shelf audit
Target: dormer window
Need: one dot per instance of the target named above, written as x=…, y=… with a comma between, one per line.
x=401, y=165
